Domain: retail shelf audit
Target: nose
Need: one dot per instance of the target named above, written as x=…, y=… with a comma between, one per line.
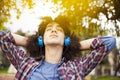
x=54, y=29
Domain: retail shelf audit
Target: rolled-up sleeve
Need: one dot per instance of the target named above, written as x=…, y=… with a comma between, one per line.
x=109, y=41
x=9, y=48
x=100, y=47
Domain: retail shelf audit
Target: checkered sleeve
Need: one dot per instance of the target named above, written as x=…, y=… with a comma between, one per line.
x=98, y=51
x=9, y=48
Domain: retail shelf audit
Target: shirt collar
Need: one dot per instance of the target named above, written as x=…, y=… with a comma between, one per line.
x=59, y=64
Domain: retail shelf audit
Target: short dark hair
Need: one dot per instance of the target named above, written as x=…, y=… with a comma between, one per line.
x=69, y=52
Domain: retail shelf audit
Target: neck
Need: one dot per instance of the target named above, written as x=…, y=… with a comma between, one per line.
x=53, y=54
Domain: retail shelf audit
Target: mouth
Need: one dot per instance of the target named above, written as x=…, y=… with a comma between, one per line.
x=53, y=35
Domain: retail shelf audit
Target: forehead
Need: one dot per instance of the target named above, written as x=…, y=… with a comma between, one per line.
x=52, y=24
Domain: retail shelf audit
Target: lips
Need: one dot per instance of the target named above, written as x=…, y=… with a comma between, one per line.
x=53, y=35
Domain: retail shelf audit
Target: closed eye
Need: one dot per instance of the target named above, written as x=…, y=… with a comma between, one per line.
x=59, y=29
x=48, y=29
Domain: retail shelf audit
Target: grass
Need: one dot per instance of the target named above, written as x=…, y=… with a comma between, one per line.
x=4, y=71
x=106, y=78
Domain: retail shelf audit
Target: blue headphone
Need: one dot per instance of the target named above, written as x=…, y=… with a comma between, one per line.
x=67, y=41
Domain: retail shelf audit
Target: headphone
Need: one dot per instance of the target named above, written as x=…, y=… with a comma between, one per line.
x=67, y=41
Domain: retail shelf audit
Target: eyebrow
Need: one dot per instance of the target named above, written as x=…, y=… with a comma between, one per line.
x=50, y=25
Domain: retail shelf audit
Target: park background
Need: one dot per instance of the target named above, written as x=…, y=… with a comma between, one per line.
x=88, y=18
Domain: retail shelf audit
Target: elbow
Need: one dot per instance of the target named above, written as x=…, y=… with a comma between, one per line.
x=112, y=44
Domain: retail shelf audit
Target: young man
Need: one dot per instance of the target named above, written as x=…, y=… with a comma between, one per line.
x=52, y=52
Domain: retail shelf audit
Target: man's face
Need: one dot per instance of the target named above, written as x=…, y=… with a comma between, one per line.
x=54, y=34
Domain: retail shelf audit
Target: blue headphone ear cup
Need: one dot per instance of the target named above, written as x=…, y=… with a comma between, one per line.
x=67, y=41
x=40, y=41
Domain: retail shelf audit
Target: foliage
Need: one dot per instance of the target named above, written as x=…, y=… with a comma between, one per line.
x=20, y=32
x=17, y=5
x=80, y=13
x=77, y=10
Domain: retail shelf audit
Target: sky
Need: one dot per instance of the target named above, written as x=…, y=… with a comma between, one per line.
x=30, y=19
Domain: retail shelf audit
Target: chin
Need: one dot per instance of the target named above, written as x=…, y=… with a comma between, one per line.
x=54, y=43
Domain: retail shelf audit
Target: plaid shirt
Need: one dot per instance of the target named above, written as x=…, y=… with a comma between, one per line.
x=70, y=70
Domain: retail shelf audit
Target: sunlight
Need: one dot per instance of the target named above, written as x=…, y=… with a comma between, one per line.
x=30, y=18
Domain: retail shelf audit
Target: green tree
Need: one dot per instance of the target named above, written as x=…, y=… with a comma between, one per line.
x=77, y=10
x=20, y=32
x=17, y=5
x=116, y=16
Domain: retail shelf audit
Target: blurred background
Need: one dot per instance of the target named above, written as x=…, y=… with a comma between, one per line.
x=88, y=18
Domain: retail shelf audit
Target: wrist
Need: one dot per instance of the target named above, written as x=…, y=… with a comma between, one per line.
x=2, y=32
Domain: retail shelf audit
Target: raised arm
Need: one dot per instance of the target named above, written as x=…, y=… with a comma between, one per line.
x=85, y=44
x=20, y=40
x=8, y=44
x=107, y=40
x=99, y=47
